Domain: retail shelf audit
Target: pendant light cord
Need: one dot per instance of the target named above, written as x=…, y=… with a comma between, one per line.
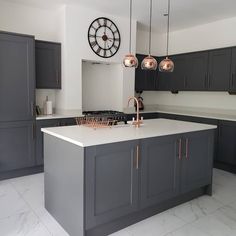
x=150, y=28
x=168, y=29
x=130, y=25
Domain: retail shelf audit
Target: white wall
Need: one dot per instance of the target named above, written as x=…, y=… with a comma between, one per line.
x=76, y=49
x=42, y=23
x=214, y=35
x=29, y=20
x=102, y=86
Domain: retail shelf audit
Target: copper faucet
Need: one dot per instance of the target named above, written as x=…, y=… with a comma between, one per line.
x=137, y=122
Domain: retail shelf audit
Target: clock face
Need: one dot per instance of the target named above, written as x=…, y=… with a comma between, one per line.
x=104, y=37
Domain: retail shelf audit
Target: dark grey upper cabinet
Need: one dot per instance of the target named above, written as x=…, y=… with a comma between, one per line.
x=197, y=68
x=197, y=160
x=17, y=77
x=179, y=75
x=48, y=65
x=144, y=80
x=233, y=71
x=219, y=69
x=17, y=145
x=226, y=152
x=111, y=182
x=163, y=79
x=159, y=170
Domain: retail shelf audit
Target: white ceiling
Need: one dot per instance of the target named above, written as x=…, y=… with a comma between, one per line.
x=185, y=13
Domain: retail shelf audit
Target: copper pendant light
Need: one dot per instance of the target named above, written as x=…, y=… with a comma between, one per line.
x=130, y=60
x=167, y=65
x=149, y=62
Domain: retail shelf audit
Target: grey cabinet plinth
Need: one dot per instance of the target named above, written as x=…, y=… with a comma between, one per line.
x=111, y=182
x=160, y=170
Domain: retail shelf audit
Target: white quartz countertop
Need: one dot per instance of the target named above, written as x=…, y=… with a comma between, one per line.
x=54, y=116
x=86, y=136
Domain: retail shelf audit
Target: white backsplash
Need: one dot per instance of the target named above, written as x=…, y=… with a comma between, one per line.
x=41, y=95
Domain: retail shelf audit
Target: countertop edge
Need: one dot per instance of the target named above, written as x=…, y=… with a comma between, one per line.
x=73, y=141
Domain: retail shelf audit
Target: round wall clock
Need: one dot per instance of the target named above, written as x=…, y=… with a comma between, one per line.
x=104, y=37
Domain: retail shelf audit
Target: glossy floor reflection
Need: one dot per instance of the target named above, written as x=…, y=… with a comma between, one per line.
x=22, y=212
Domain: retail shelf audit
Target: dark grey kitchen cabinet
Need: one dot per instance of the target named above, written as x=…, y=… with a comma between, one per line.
x=232, y=87
x=219, y=69
x=179, y=75
x=144, y=80
x=111, y=174
x=39, y=135
x=197, y=160
x=196, y=71
x=17, y=145
x=160, y=170
x=48, y=65
x=17, y=77
x=175, y=165
x=148, y=115
x=163, y=79
x=167, y=116
x=227, y=142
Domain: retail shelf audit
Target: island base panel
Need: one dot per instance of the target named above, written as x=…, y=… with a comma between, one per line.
x=64, y=183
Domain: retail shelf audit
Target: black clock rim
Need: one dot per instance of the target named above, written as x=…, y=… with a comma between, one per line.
x=96, y=40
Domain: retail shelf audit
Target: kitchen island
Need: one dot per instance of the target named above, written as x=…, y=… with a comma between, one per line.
x=100, y=181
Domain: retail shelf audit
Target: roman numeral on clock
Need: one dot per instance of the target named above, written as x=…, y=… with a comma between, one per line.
x=93, y=44
x=98, y=50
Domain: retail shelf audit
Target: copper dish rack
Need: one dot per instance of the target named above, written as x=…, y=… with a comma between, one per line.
x=95, y=123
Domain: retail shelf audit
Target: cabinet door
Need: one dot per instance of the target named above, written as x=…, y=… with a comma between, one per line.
x=197, y=68
x=219, y=70
x=233, y=71
x=48, y=65
x=17, y=80
x=144, y=80
x=111, y=182
x=179, y=75
x=159, y=170
x=227, y=142
x=17, y=145
x=39, y=137
x=163, y=79
x=197, y=160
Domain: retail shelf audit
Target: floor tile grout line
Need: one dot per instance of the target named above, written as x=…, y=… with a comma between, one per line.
x=32, y=209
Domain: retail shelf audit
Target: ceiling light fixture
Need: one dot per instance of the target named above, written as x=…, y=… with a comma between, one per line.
x=130, y=60
x=149, y=62
x=167, y=65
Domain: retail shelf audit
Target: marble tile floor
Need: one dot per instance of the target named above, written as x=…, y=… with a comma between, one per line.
x=22, y=212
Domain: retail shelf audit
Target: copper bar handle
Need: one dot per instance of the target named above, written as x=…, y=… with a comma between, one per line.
x=180, y=149
x=137, y=158
x=187, y=148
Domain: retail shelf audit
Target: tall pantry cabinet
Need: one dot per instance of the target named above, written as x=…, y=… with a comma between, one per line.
x=17, y=102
